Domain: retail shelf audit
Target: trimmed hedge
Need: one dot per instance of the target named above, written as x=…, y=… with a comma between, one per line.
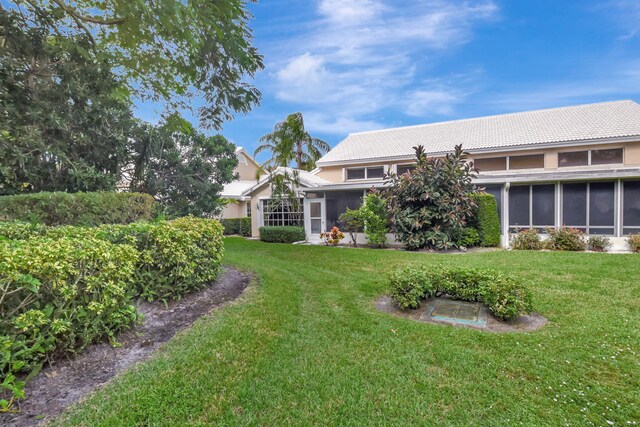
x=506, y=297
x=59, y=295
x=239, y=226
x=83, y=209
x=282, y=234
x=486, y=219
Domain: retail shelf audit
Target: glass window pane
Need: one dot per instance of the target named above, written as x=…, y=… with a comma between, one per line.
x=574, y=205
x=632, y=230
x=496, y=191
x=606, y=231
x=519, y=206
x=314, y=210
x=402, y=169
x=601, y=203
x=544, y=205
x=605, y=157
x=355, y=173
x=532, y=161
x=631, y=201
x=574, y=158
x=376, y=172
x=491, y=164
x=337, y=203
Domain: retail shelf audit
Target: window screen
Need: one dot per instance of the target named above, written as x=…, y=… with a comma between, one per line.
x=574, y=205
x=605, y=157
x=543, y=205
x=574, y=158
x=355, y=173
x=337, y=203
x=375, y=172
x=631, y=207
x=491, y=164
x=402, y=169
x=601, y=204
x=519, y=206
x=532, y=161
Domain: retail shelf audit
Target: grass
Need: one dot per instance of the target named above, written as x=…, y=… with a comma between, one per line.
x=306, y=346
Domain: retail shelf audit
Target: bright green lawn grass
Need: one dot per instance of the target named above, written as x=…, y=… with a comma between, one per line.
x=306, y=346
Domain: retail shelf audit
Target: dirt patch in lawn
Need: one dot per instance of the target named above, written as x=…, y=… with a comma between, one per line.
x=485, y=321
x=68, y=381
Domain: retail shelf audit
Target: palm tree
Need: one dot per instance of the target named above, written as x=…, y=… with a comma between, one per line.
x=290, y=142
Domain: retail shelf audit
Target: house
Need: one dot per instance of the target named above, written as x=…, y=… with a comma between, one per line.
x=575, y=166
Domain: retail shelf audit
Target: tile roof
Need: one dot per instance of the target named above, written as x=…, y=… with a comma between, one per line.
x=236, y=188
x=307, y=179
x=605, y=120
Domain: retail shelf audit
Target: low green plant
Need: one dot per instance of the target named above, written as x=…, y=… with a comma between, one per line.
x=84, y=209
x=374, y=216
x=352, y=221
x=526, y=240
x=599, y=243
x=466, y=237
x=634, y=242
x=286, y=234
x=485, y=219
x=238, y=226
x=58, y=296
x=565, y=239
x=506, y=297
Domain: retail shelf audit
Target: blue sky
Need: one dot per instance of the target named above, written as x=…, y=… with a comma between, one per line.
x=357, y=65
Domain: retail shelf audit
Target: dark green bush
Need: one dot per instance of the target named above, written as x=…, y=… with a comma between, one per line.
x=506, y=297
x=59, y=295
x=486, y=220
x=565, y=239
x=466, y=237
x=282, y=234
x=84, y=209
x=526, y=240
x=239, y=226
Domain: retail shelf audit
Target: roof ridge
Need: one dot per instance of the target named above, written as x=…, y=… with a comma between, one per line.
x=620, y=101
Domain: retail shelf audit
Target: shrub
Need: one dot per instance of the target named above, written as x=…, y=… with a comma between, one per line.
x=485, y=219
x=565, y=239
x=352, y=221
x=20, y=230
x=84, y=209
x=429, y=204
x=466, y=237
x=59, y=295
x=526, y=240
x=599, y=243
x=506, y=297
x=634, y=242
x=287, y=234
x=239, y=226
x=374, y=215
x=332, y=237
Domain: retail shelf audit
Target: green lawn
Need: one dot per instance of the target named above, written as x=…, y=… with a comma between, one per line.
x=306, y=346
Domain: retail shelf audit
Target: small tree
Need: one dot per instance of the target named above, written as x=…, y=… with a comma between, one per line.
x=352, y=221
x=431, y=203
x=374, y=215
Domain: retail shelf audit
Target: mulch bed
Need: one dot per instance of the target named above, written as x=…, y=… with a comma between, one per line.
x=526, y=323
x=67, y=381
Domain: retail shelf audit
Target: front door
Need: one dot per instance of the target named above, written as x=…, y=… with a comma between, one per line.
x=314, y=219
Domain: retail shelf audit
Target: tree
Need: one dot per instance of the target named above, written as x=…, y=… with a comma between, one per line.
x=63, y=124
x=182, y=168
x=431, y=204
x=352, y=221
x=290, y=142
x=167, y=50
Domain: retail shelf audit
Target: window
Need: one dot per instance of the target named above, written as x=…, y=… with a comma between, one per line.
x=532, y=206
x=337, y=203
x=491, y=164
x=589, y=207
x=402, y=169
x=573, y=158
x=631, y=207
x=590, y=157
x=532, y=161
x=281, y=212
x=606, y=157
x=248, y=209
x=372, y=172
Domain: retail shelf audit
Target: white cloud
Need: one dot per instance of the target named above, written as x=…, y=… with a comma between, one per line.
x=626, y=14
x=364, y=56
x=318, y=122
